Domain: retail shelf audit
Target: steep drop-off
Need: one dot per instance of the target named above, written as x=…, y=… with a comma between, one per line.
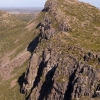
x=65, y=55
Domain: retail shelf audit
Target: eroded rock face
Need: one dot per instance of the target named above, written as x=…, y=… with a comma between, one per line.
x=57, y=71
x=52, y=77
x=46, y=29
x=50, y=4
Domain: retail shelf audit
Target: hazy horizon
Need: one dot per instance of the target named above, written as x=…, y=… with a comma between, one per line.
x=35, y=3
x=21, y=8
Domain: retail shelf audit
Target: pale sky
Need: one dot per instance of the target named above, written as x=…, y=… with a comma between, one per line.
x=36, y=3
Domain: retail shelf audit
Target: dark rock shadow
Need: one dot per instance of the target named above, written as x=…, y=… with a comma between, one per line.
x=20, y=81
x=45, y=9
x=99, y=60
x=33, y=44
x=69, y=90
x=38, y=25
x=39, y=74
x=47, y=85
x=95, y=94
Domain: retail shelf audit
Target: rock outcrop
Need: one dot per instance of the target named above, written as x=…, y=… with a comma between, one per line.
x=58, y=70
x=46, y=29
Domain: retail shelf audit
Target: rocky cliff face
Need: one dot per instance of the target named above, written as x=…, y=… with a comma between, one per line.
x=60, y=68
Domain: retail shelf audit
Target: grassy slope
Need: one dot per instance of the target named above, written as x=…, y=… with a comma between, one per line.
x=12, y=93
x=16, y=38
x=8, y=21
x=14, y=34
x=26, y=17
x=10, y=28
x=85, y=23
